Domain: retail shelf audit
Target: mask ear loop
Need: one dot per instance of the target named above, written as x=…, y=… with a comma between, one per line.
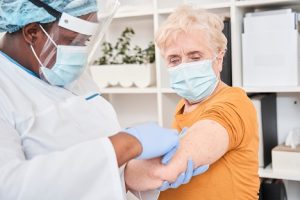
x=213, y=60
x=49, y=37
x=37, y=58
x=35, y=55
x=34, y=52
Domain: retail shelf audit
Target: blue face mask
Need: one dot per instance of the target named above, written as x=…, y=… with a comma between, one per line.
x=69, y=65
x=193, y=81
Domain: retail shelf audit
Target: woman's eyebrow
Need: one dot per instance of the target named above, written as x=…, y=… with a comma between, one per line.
x=192, y=53
x=172, y=56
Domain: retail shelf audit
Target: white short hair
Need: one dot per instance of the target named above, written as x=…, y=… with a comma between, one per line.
x=186, y=19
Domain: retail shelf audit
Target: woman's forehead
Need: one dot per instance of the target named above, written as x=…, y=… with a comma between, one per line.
x=187, y=41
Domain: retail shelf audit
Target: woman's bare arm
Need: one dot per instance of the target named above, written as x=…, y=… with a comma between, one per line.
x=205, y=142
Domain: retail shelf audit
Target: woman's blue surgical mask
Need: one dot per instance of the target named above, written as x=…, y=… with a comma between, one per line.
x=194, y=81
x=69, y=65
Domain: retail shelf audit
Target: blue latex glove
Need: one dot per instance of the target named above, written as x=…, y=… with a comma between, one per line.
x=187, y=175
x=168, y=156
x=183, y=178
x=155, y=140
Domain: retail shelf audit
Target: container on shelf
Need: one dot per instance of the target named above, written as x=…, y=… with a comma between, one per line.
x=125, y=75
x=271, y=44
x=284, y=158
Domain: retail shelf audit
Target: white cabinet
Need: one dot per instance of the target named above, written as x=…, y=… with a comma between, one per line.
x=143, y=107
x=157, y=103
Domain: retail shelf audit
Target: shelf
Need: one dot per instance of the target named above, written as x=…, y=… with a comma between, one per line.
x=203, y=6
x=215, y=5
x=253, y=3
x=166, y=10
x=167, y=91
x=137, y=13
x=290, y=89
x=287, y=175
x=132, y=90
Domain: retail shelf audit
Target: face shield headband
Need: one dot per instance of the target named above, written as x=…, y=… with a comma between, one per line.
x=106, y=10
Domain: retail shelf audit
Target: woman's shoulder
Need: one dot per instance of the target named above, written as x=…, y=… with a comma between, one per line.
x=233, y=96
x=231, y=90
x=179, y=106
x=232, y=93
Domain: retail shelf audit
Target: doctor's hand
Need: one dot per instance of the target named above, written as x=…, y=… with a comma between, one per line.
x=199, y=170
x=183, y=178
x=144, y=175
x=155, y=140
x=186, y=176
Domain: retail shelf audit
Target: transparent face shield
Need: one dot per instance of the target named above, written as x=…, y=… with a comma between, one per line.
x=70, y=40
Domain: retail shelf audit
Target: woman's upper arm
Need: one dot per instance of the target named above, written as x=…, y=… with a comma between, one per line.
x=219, y=129
x=205, y=142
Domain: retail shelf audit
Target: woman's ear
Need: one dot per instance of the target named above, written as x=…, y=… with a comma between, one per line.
x=219, y=59
x=31, y=33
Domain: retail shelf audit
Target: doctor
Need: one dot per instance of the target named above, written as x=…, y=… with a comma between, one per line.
x=59, y=139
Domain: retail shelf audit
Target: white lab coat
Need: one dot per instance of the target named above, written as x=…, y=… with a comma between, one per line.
x=53, y=141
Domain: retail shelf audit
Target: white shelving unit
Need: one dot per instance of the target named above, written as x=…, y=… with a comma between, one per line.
x=158, y=102
x=272, y=89
x=134, y=14
x=287, y=175
x=255, y=3
x=129, y=91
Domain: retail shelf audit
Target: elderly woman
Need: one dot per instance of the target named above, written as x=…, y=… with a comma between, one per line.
x=221, y=120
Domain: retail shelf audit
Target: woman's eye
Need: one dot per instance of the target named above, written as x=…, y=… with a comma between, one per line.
x=174, y=61
x=196, y=58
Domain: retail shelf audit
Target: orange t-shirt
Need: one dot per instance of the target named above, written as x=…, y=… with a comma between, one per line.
x=235, y=175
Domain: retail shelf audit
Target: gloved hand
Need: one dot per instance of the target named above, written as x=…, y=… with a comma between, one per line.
x=186, y=176
x=168, y=156
x=155, y=140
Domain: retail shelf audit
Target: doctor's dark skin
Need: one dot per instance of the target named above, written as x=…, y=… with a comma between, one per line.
x=17, y=46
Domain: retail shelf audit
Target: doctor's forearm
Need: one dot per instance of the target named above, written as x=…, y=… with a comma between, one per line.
x=143, y=175
x=126, y=147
